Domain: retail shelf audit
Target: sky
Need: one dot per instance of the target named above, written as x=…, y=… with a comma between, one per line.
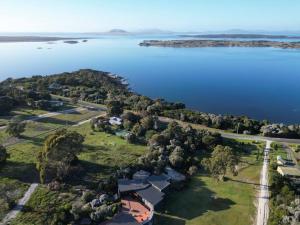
x=133, y=15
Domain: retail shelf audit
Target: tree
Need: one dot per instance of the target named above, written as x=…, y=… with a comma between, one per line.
x=131, y=138
x=177, y=157
x=147, y=122
x=3, y=155
x=157, y=140
x=6, y=104
x=138, y=130
x=74, y=100
x=58, y=155
x=114, y=108
x=15, y=127
x=222, y=159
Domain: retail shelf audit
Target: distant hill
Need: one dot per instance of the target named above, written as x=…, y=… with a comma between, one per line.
x=118, y=31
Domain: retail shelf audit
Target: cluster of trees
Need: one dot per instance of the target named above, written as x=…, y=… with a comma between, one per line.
x=174, y=145
x=102, y=87
x=14, y=94
x=281, y=130
x=15, y=127
x=58, y=158
x=95, y=207
x=178, y=147
x=284, y=203
x=237, y=124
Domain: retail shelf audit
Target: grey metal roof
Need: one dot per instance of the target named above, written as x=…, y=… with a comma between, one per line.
x=160, y=182
x=126, y=185
x=152, y=195
x=122, y=219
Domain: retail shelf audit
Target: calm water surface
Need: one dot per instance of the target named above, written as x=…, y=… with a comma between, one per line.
x=263, y=83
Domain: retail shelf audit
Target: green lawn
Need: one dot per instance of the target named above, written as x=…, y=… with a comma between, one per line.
x=277, y=150
x=206, y=201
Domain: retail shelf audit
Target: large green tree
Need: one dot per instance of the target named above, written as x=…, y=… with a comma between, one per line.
x=3, y=155
x=15, y=127
x=58, y=155
x=221, y=161
x=114, y=108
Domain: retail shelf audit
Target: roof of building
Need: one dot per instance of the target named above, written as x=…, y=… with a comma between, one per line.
x=174, y=175
x=141, y=174
x=126, y=185
x=122, y=218
x=160, y=182
x=151, y=194
x=288, y=171
x=115, y=120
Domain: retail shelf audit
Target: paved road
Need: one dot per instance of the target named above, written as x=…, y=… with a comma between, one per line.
x=263, y=198
x=13, y=213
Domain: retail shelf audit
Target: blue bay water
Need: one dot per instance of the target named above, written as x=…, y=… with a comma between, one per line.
x=263, y=83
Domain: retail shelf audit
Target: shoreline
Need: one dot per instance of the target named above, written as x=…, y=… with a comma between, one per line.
x=16, y=39
x=193, y=43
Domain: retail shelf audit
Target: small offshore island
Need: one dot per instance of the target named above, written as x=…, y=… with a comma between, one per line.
x=219, y=43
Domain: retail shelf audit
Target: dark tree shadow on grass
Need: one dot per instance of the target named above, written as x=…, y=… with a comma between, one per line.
x=241, y=181
x=90, y=174
x=56, y=121
x=195, y=200
x=161, y=219
x=24, y=172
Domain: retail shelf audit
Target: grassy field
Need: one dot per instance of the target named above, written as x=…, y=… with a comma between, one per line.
x=26, y=112
x=101, y=155
x=44, y=207
x=206, y=201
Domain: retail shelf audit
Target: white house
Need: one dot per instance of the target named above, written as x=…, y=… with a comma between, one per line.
x=115, y=121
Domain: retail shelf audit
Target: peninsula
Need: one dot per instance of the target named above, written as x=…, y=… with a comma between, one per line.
x=219, y=43
x=242, y=36
x=36, y=39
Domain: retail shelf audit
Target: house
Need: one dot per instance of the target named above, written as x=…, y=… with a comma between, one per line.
x=173, y=175
x=141, y=195
x=141, y=175
x=280, y=161
x=289, y=171
x=115, y=121
x=122, y=218
x=159, y=182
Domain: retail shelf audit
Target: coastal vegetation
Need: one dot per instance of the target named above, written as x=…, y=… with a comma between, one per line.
x=284, y=199
x=78, y=163
x=105, y=88
x=194, y=43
